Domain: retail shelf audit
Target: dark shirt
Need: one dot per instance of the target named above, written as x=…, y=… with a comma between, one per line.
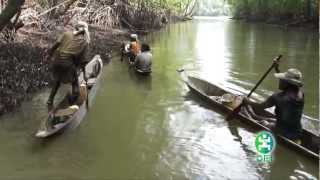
x=143, y=61
x=72, y=49
x=288, y=111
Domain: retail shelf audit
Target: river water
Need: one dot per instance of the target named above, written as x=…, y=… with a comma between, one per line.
x=153, y=128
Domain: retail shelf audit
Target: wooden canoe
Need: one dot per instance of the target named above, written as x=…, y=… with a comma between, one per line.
x=209, y=92
x=68, y=113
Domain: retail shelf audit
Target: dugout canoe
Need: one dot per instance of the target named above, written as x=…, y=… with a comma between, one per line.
x=69, y=113
x=212, y=94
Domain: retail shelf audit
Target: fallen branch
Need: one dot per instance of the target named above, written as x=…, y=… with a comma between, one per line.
x=53, y=8
x=131, y=27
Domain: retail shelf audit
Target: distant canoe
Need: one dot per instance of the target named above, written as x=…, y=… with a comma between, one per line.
x=72, y=112
x=213, y=93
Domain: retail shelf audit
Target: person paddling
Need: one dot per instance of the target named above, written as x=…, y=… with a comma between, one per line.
x=289, y=103
x=69, y=55
x=143, y=60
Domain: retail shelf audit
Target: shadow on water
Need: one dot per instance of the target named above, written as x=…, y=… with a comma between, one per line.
x=232, y=125
x=144, y=81
x=40, y=145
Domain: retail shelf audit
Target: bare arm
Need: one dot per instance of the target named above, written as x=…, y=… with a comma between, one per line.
x=84, y=61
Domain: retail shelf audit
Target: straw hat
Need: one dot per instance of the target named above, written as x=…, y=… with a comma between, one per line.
x=292, y=76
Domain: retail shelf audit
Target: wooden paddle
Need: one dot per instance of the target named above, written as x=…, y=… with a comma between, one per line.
x=86, y=81
x=237, y=109
x=122, y=53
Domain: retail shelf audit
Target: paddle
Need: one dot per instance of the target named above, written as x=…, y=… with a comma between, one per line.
x=86, y=81
x=237, y=109
x=122, y=54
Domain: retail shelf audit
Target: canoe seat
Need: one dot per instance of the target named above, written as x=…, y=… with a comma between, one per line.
x=67, y=111
x=216, y=98
x=228, y=100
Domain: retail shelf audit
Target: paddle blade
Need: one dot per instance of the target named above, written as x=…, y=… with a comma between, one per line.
x=87, y=99
x=234, y=113
x=87, y=104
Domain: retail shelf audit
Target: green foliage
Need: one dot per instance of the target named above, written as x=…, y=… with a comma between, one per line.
x=43, y=3
x=306, y=8
x=174, y=5
x=212, y=8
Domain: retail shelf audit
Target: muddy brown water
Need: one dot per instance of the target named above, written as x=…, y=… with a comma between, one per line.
x=153, y=128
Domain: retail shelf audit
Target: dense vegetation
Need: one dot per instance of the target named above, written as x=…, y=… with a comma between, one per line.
x=140, y=13
x=276, y=10
x=212, y=8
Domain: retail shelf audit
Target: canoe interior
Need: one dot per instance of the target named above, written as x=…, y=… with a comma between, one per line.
x=310, y=141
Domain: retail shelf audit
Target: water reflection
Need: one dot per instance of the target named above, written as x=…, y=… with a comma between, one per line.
x=211, y=52
x=153, y=128
x=141, y=80
x=292, y=170
x=236, y=54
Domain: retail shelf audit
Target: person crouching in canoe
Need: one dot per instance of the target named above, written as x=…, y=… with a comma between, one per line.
x=289, y=103
x=69, y=55
x=143, y=61
x=134, y=48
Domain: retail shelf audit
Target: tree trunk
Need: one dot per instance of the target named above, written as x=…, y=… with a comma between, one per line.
x=1, y=5
x=67, y=6
x=9, y=11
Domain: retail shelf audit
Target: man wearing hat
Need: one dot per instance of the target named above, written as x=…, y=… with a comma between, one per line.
x=143, y=61
x=69, y=55
x=288, y=104
x=134, y=47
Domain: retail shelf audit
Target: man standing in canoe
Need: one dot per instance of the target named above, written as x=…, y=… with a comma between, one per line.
x=288, y=104
x=134, y=47
x=69, y=55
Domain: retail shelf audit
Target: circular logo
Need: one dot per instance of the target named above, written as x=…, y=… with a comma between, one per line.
x=265, y=142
